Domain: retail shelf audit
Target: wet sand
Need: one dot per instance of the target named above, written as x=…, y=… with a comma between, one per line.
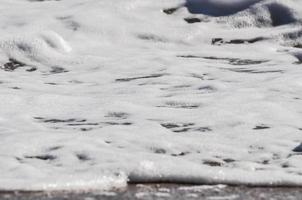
x=165, y=191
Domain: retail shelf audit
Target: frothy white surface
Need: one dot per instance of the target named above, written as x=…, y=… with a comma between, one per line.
x=124, y=92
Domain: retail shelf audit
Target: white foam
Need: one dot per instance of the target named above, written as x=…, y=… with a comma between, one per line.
x=117, y=92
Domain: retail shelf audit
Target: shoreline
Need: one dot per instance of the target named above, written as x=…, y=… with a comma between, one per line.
x=163, y=191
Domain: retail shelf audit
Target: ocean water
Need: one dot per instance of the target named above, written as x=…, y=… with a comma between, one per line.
x=96, y=94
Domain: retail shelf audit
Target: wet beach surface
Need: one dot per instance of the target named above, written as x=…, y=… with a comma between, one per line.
x=166, y=191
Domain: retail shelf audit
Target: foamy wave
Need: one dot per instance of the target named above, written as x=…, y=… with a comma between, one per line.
x=95, y=94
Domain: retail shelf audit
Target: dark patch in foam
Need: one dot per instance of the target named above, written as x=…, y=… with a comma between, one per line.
x=83, y=157
x=285, y=165
x=181, y=86
x=54, y=148
x=202, y=129
x=60, y=120
x=251, y=71
x=83, y=124
x=118, y=123
x=177, y=87
x=276, y=156
x=179, y=154
x=184, y=105
x=51, y=83
x=170, y=11
x=299, y=46
x=32, y=69
x=119, y=115
x=73, y=25
x=151, y=37
x=261, y=127
x=69, y=23
x=293, y=35
x=212, y=163
x=24, y=47
x=204, y=76
x=158, y=150
x=182, y=130
x=229, y=160
x=86, y=129
x=217, y=40
x=12, y=65
x=21, y=160
x=139, y=77
x=118, y=118
x=184, y=127
x=298, y=63
x=256, y=147
x=232, y=61
x=207, y=89
x=57, y=70
x=192, y=20
x=220, y=41
x=78, y=124
x=45, y=157
x=173, y=125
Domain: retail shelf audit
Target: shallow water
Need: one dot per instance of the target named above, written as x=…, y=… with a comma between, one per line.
x=95, y=94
